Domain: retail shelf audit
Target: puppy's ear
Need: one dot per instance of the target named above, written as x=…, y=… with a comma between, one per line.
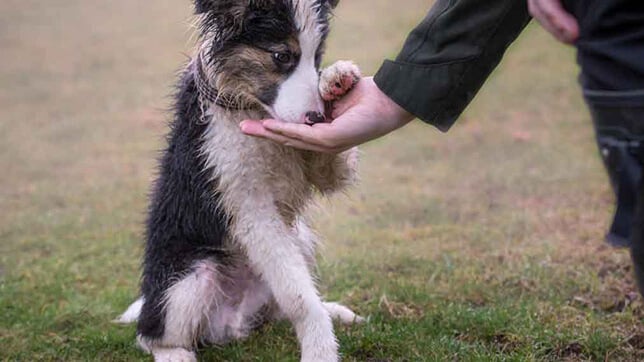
x=333, y=3
x=218, y=6
x=223, y=17
x=202, y=6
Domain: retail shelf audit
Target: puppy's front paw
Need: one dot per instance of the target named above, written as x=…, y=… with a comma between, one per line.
x=338, y=79
x=173, y=355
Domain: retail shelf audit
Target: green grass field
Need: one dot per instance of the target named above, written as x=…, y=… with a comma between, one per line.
x=483, y=244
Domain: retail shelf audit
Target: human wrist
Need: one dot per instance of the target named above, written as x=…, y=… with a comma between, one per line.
x=395, y=115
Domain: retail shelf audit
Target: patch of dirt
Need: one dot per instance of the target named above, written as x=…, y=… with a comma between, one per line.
x=617, y=292
x=615, y=270
x=400, y=310
x=503, y=342
x=610, y=302
x=571, y=352
x=636, y=341
x=524, y=284
x=366, y=354
x=476, y=301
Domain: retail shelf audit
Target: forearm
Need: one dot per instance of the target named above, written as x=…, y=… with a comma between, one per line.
x=447, y=58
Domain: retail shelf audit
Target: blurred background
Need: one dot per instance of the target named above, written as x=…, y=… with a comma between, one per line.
x=485, y=243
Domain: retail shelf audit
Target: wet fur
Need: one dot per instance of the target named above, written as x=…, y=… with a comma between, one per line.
x=227, y=244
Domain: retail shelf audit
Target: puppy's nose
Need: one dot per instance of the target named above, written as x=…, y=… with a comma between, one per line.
x=314, y=117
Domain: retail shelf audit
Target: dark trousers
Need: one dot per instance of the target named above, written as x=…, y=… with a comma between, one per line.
x=620, y=137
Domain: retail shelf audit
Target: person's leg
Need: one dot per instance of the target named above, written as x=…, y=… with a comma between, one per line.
x=620, y=135
x=610, y=49
x=637, y=239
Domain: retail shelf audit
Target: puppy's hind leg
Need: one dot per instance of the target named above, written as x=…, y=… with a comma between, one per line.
x=171, y=324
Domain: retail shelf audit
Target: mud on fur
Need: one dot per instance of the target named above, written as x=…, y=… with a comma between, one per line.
x=227, y=243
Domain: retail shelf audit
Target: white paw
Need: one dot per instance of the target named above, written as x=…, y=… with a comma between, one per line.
x=173, y=355
x=320, y=356
x=338, y=79
x=343, y=314
x=317, y=339
x=320, y=359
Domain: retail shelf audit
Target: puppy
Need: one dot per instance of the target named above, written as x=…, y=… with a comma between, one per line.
x=227, y=244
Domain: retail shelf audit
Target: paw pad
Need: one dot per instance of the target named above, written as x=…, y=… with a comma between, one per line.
x=338, y=79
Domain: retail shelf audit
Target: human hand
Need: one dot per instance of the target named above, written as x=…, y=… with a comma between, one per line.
x=364, y=114
x=557, y=21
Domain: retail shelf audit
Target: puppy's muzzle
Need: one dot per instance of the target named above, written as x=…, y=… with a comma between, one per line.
x=314, y=117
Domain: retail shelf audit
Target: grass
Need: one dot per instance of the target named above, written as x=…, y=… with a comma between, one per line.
x=484, y=244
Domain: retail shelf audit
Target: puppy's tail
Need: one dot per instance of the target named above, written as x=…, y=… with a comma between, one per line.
x=132, y=313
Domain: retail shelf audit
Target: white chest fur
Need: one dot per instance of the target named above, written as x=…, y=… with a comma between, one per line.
x=253, y=170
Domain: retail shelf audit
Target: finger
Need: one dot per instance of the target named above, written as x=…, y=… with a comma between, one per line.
x=319, y=135
x=252, y=128
x=537, y=12
x=565, y=24
x=316, y=135
x=532, y=9
x=292, y=130
x=556, y=20
x=290, y=142
x=256, y=129
x=340, y=106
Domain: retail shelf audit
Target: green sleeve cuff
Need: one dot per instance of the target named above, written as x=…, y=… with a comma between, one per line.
x=447, y=58
x=423, y=91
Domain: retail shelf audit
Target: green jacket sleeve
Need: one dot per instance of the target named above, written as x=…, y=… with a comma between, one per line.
x=447, y=58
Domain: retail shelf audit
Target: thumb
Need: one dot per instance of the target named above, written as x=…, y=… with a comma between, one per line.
x=351, y=99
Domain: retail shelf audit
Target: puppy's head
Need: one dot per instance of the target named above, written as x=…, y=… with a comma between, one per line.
x=267, y=53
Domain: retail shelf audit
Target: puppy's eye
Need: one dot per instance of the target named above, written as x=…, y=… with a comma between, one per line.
x=282, y=57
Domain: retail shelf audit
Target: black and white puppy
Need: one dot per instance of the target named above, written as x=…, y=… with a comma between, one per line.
x=227, y=244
